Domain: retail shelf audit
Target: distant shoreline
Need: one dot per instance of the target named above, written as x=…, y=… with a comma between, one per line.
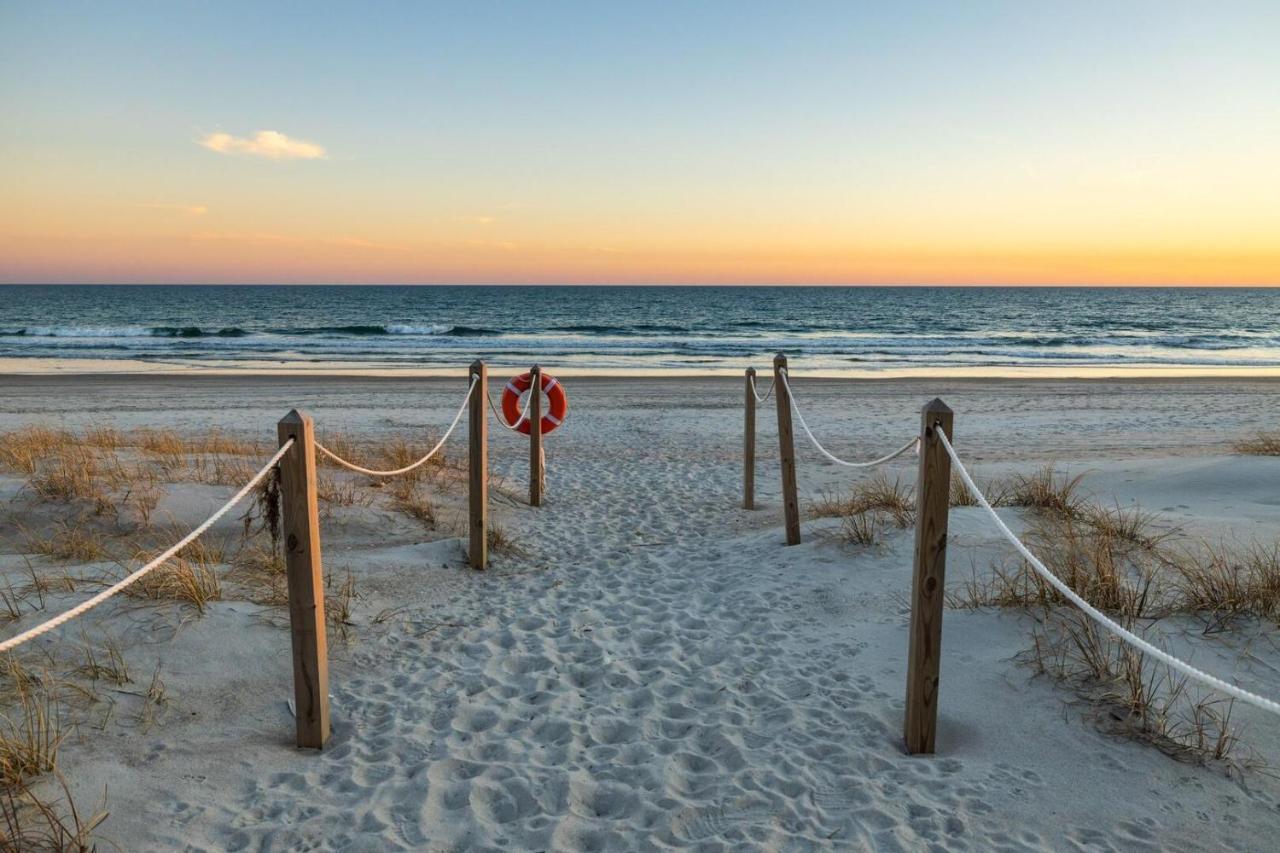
x=623, y=284
x=37, y=369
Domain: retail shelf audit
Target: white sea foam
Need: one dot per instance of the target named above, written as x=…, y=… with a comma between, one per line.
x=88, y=332
x=404, y=329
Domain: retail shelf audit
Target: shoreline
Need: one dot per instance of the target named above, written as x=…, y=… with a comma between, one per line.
x=95, y=369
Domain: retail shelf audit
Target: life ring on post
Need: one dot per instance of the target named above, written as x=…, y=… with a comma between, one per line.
x=551, y=386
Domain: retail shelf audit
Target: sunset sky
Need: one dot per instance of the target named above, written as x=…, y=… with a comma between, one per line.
x=842, y=143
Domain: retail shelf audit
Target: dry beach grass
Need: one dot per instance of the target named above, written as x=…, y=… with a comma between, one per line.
x=91, y=501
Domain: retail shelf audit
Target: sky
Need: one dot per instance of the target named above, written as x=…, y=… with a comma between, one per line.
x=737, y=143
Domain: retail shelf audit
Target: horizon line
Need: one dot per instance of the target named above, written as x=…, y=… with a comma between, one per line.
x=957, y=285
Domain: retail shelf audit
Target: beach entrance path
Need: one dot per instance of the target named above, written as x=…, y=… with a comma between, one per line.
x=650, y=667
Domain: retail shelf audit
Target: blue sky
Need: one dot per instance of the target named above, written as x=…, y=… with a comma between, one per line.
x=845, y=140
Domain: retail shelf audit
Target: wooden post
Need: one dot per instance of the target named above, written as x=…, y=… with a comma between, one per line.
x=300, y=520
x=928, y=583
x=536, y=459
x=749, y=444
x=478, y=467
x=787, y=452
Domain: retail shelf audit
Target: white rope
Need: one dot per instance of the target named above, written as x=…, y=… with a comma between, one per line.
x=756, y=394
x=91, y=603
x=502, y=419
x=873, y=463
x=406, y=469
x=1070, y=594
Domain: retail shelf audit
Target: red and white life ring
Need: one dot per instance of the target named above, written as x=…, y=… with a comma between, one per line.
x=555, y=395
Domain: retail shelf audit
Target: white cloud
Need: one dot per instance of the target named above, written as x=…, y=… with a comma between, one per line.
x=265, y=143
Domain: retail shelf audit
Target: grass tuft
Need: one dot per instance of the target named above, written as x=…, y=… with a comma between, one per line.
x=1211, y=580
x=106, y=664
x=1130, y=695
x=32, y=823
x=71, y=475
x=1101, y=569
x=1127, y=525
x=877, y=494
x=338, y=601
x=67, y=543
x=501, y=541
x=23, y=449
x=260, y=571
x=182, y=580
x=1260, y=444
x=408, y=497
x=1046, y=491
x=861, y=528
x=29, y=739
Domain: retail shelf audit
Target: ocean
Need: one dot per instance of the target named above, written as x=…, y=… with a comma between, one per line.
x=829, y=330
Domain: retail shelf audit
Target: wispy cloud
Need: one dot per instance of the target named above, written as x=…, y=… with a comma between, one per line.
x=476, y=220
x=265, y=143
x=188, y=209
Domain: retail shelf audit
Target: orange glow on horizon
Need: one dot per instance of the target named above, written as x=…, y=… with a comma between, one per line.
x=210, y=257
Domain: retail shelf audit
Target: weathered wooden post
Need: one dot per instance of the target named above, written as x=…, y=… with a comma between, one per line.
x=478, y=467
x=749, y=444
x=536, y=472
x=928, y=582
x=300, y=517
x=787, y=451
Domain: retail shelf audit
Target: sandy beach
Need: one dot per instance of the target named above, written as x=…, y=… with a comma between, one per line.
x=646, y=665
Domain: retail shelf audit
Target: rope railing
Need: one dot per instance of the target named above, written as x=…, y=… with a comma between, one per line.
x=1092, y=612
x=359, y=469
x=502, y=419
x=768, y=391
x=889, y=457
x=937, y=460
x=134, y=577
x=300, y=532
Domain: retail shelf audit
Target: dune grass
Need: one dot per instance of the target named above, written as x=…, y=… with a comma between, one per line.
x=863, y=528
x=22, y=450
x=1128, y=695
x=33, y=823
x=30, y=736
x=1224, y=585
x=1047, y=491
x=65, y=542
x=1261, y=443
x=109, y=486
x=893, y=499
x=1106, y=571
x=259, y=571
x=1125, y=562
x=501, y=540
x=409, y=497
x=103, y=664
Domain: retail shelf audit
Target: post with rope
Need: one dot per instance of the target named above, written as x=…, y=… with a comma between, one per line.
x=537, y=462
x=300, y=520
x=478, y=466
x=749, y=444
x=928, y=584
x=786, y=451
